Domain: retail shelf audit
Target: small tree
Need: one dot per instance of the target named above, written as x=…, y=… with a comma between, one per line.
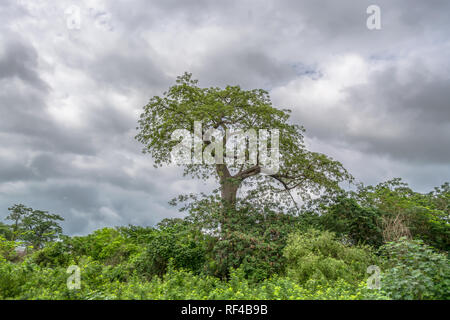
x=35, y=227
x=18, y=212
x=6, y=231
x=359, y=224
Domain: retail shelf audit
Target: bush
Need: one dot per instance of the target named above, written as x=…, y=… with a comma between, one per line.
x=12, y=278
x=6, y=231
x=318, y=256
x=423, y=216
x=253, y=241
x=415, y=271
x=186, y=246
x=52, y=255
x=356, y=223
x=106, y=245
x=7, y=250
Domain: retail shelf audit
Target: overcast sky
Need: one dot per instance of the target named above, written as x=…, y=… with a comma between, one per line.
x=376, y=100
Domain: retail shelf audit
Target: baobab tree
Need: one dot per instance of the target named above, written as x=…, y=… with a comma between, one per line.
x=299, y=171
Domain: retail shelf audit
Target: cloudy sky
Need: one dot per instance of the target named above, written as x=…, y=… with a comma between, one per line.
x=71, y=93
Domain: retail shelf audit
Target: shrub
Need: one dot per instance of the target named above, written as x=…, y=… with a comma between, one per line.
x=106, y=245
x=186, y=246
x=12, y=277
x=358, y=224
x=318, y=256
x=6, y=231
x=52, y=255
x=415, y=271
x=251, y=240
x=7, y=250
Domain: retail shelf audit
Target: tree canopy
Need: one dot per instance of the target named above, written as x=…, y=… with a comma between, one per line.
x=232, y=109
x=35, y=227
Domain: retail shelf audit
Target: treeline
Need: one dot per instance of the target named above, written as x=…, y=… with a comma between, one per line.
x=322, y=252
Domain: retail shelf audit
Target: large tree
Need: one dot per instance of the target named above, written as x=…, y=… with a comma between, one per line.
x=301, y=172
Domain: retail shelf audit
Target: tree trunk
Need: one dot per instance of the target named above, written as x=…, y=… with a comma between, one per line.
x=228, y=186
x=229, y=190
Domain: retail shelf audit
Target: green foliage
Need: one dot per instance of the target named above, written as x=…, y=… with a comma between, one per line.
x=250, y=252
x=29, y=281
x=319, y=267
x=247, y=237
x=358, y=224
x=12, y=278
x=6, y=231
x=318, y=256
x=35, y=227
x=180, y=242
x=52, y=255
x=107, y=245
x=251, y=240
x=427, y=216
x=415, y=271
x=7, y=250
x=18, y=213
x=386, y=212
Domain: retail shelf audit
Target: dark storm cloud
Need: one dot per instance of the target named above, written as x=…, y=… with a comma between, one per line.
x=23, y=113
x=20, y=60
x=141, y=73
x=142, y=14
x=418, y=111
x=70, y=99
x=23, y=109
x=246, y=67
x=420, y=107
x=87, y=206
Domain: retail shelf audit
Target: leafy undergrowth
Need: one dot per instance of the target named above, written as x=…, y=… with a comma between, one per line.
x=29, y=281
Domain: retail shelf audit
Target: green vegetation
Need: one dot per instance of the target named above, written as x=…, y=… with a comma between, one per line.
x=317, y=254
x=34, y=227
x=415, y=271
